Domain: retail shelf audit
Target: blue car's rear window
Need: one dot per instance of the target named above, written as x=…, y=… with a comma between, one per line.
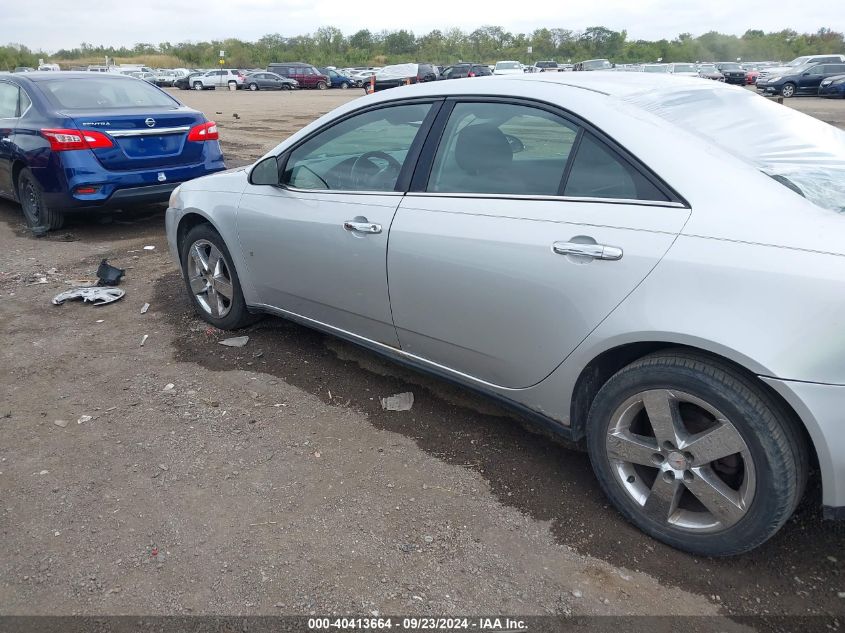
x=82, y=93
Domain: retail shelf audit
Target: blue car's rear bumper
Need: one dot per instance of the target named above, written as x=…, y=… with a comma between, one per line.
x=66, y=172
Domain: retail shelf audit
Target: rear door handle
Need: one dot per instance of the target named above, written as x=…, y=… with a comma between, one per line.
x=362, y=227
x=596, y=251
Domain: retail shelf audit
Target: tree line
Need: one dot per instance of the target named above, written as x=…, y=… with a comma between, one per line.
x=329, y=46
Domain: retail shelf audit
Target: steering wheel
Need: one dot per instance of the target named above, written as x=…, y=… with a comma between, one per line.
x=361, y=179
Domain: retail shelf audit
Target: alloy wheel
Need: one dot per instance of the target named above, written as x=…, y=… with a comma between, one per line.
x=210, y=278
x=788, y=90
x=681, y=460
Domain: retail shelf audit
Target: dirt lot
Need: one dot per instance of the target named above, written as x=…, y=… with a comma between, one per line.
x=268, y=480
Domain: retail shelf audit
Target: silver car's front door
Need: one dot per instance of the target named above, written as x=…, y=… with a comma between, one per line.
x=530, y=230
x=316, y=245
x=305, y=258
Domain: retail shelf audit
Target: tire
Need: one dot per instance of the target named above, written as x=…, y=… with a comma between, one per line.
x=39, y=217
x=788, y=90
x=285, y=86
x=344, y=86
x=321, y=85
x=221, y=312
x=198, y=85
x=253, y=87
x=764, y=476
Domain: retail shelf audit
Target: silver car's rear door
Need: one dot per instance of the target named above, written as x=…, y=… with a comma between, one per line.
x=486, y=287
x=502, y=286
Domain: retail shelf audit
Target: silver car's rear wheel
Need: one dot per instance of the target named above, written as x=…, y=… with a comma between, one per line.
x=681, y=460
x=696, y=452
x=210, y=279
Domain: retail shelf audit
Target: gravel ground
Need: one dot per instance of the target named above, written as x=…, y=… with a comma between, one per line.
x=268, y=480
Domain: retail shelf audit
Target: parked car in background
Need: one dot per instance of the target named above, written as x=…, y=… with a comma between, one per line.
x=360, y=77
x=230, y=78
x=478, y=250
x=306, y=75
x=803, y=80
x=464, y=70
x=833, y=86
x=733, y=72
x=148, y=77
x=656, y=68
x=544, y=66
x=165, y=78
x=709, y=71
x=804, y=60
x=683, y=70
x=751, y=76
x=23, y=69
x=594, y=64
x=508, y=68
x=49, y=68
x=186, y=83
x=337, y=79
x=263, y=80
x=83, y=140
x=401, y=74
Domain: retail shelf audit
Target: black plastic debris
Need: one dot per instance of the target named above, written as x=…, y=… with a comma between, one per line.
x=109, y=275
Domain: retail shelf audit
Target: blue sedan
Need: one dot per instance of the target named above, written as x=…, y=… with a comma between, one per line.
x=81, y=141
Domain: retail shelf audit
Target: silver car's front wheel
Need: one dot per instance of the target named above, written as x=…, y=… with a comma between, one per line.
x=696, y=452
x=681, y=460
x=211, y=279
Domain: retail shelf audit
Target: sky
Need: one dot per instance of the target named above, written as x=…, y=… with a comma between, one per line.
x=50, y=25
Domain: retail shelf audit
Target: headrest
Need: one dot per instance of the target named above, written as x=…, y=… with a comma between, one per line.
x=481, y=148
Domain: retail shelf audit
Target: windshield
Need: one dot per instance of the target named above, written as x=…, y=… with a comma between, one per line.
x=655, y=69
x=708, y=68
x=799, y=61
x=731, y=67
x=596, y=64
x=99, y=93
x=781, y=142
x=684, y=68
x=507, y=65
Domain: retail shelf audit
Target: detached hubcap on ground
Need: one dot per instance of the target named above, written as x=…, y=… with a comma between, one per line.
x=681, y=460
x=210, y=278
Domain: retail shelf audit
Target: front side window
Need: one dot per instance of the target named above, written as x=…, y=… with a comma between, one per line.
x=362, y=153
x=502, y=148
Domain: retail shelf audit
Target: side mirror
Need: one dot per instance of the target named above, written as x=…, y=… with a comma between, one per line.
x=266, y=172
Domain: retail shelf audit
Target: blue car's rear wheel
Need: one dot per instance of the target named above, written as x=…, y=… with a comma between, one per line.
x=39, y=217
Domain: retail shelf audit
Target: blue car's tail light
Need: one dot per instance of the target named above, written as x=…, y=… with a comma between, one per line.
x=204, y=132
x=64, y=140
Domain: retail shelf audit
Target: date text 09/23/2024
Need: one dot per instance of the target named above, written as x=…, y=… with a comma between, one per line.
x=418, y=624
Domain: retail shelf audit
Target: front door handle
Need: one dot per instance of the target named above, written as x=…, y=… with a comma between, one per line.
x=596, y=251
x=362, y=227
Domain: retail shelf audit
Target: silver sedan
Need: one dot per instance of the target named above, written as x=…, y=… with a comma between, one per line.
x=561, y=242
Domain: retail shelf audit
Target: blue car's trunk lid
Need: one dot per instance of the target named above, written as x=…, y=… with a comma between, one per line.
x=147, y=138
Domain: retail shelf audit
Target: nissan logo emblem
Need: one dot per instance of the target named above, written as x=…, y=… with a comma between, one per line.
x=151, y=122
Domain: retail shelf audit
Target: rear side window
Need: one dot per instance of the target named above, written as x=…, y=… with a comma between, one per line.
x=8, y=101
x=599, y=172
x=103, y=92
